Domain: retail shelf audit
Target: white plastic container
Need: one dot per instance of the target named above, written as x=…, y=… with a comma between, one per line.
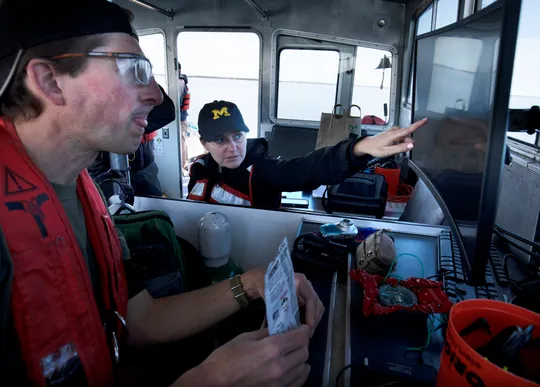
x=214, y=239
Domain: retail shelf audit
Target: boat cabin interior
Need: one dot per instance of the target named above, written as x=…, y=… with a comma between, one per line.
x=462, y=208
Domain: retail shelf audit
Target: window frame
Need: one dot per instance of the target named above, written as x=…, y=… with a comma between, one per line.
x=327, y=42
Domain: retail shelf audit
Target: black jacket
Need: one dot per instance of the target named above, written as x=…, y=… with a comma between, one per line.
x=161, y=115
x=263, y=178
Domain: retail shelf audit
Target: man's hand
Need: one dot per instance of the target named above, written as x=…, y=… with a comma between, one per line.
x=255, y=359
x=388, y=143
x=307, y=297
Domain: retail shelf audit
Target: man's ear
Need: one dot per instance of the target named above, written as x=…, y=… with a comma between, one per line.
x=43, y=81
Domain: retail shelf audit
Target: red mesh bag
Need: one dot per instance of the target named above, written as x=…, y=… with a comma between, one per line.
x=431, y=297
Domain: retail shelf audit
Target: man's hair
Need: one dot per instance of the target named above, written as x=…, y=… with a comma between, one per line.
x=18, y=100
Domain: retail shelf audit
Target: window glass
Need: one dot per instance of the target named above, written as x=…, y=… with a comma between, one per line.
x=525, y=90
x=447, y=67
x=447, y=12
x=485, y=3
x=222, y=66
x=423, y=23
x=372, y=85
x=153, y=46
x=307, y=83
x=409, y=92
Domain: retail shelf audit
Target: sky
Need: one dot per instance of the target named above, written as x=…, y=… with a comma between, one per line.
x=526, y=79
x=238, y=55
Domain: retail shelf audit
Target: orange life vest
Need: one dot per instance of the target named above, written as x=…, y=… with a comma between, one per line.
x=186, y=100
x=52, y=301
x=219, y=192
x=149, y=137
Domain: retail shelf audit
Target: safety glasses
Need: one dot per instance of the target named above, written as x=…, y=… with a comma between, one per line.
x=137, y=68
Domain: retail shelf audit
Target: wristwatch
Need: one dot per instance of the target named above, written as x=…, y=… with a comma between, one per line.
x=237, y=289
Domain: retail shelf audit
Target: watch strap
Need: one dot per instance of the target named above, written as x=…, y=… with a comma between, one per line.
x=237, y=289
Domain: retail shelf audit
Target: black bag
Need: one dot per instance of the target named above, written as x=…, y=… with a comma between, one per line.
x=362, y=193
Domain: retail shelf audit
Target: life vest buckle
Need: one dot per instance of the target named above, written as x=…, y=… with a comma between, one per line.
x=111, y=329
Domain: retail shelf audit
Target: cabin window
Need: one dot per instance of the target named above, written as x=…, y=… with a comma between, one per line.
x=307, y=83
x=372, y=84
x=222, y=65
x=153, y=46
x=411, y=79
x=485, y=3
x=525, y=90
x=447, y=13
x=423, y=24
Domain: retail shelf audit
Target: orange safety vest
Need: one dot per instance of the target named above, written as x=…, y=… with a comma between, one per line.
x=221, y=193
x=186, y=100
x=149, y=137
x=52, y=301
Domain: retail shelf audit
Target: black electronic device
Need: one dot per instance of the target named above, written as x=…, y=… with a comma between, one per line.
x=362, y=193
x=525, y=120
x=462, y=81
x=313, y=249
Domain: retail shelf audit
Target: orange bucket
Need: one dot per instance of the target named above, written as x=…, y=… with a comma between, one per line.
x=391, y=175
x=461, y=365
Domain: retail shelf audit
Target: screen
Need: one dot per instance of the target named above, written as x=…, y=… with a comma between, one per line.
x=455, y=79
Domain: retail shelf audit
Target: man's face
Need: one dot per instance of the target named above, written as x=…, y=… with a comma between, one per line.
x=107, y=108
x=228, y=150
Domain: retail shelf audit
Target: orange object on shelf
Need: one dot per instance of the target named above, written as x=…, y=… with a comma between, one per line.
x=391, y=175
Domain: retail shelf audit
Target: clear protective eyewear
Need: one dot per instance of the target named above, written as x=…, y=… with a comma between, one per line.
x=134, y=66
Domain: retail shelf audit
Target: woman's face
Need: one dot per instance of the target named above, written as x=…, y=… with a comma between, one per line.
x=228, y=149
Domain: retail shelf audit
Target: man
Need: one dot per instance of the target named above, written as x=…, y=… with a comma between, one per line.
x=70, y=87
x=143, y=170
x=240, y=171
x=185, y=97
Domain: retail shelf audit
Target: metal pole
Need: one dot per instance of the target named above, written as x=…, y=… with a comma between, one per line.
x=119, y=163
x=167, y=12
x=255, y=6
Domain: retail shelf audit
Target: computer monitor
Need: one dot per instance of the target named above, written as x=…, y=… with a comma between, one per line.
x=463, y=76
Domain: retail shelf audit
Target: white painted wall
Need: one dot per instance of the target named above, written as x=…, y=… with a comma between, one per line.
x=256, y=234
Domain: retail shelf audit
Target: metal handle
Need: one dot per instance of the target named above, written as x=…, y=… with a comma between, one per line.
x=167, y=12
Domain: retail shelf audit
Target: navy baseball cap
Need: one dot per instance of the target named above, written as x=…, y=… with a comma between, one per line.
x=219, y=117
x=28, y=23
